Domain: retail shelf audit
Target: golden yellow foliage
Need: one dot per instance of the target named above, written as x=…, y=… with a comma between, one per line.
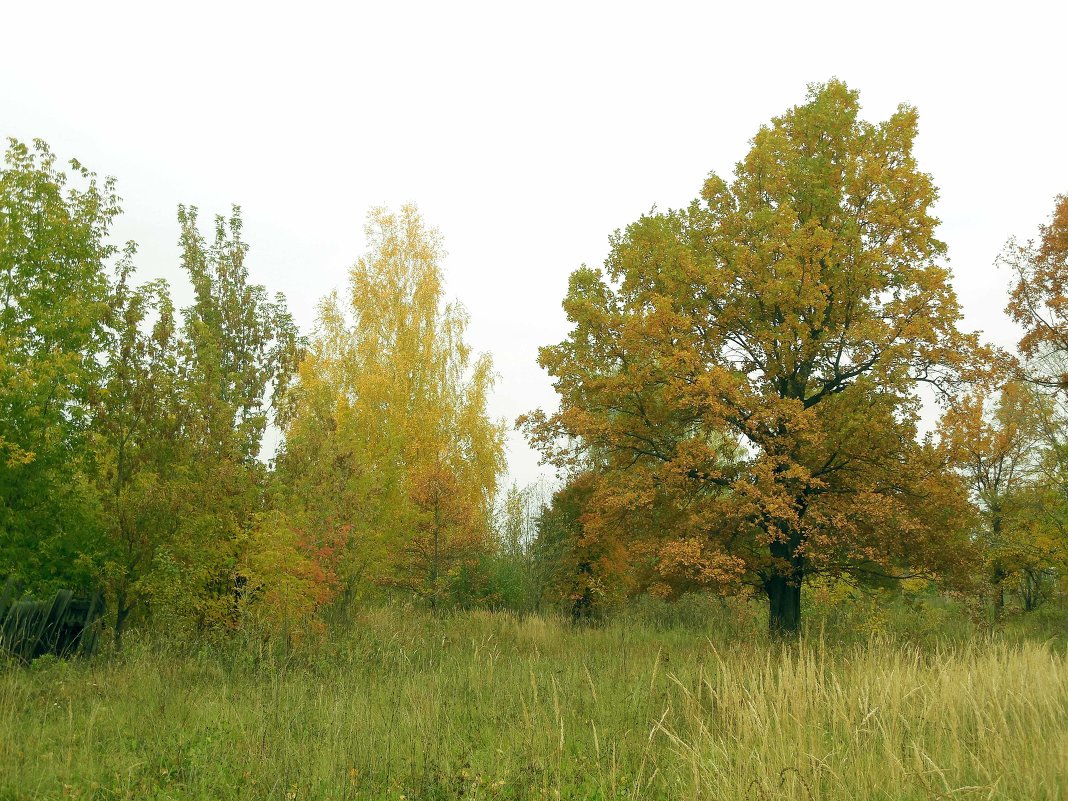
x=388, y=432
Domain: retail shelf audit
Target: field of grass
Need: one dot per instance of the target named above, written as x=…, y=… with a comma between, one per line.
x=483, y=705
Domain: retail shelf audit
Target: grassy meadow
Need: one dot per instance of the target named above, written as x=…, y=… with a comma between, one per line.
x=481, y=705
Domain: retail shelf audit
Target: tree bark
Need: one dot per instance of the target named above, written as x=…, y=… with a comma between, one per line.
x=783, y=583
x=1031, y=590
x=999, y=592
x=784, y=605
x=122, y=611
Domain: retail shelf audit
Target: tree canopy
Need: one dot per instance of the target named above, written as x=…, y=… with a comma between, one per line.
x=743, y=375
x=388, y=436
x=767, y=389
x=54, y=291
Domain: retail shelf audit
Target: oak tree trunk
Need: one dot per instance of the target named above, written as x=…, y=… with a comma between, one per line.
x=784, y=605
x=783, y=583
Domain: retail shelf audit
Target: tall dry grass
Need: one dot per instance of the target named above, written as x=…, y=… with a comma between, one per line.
x=491, y=706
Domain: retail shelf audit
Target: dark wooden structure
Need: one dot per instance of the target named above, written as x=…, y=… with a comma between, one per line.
x=64, y=626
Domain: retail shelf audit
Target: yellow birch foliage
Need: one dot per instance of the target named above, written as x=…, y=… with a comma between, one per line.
x=388, y=432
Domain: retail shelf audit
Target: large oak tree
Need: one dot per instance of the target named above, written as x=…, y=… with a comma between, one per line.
x=743, y=376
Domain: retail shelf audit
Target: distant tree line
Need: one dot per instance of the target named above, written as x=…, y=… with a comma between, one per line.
x=740, y=408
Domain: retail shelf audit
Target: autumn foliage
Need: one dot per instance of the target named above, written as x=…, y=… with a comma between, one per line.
x=767, y=390
x=743, y=375
x=387, y=432
x=1038, y=300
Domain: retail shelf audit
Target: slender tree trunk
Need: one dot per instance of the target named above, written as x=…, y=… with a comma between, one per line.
x=999, y=593
x=122, y=612
x=436, y=557
x=1030, y=591
x=1000, y=574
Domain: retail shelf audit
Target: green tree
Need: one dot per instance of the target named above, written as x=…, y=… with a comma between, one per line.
x=743, y=377
x=54, y=252
x=243, y=346
x=577, y=572
x=142, y=455
x=239, y=350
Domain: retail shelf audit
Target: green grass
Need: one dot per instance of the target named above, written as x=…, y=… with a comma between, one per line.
x=490, y=706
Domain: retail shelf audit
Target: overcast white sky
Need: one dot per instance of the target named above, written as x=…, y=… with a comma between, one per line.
x=526, y=133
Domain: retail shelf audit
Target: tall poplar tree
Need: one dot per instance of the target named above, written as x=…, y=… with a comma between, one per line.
x=141, y=454
x=239, y=350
